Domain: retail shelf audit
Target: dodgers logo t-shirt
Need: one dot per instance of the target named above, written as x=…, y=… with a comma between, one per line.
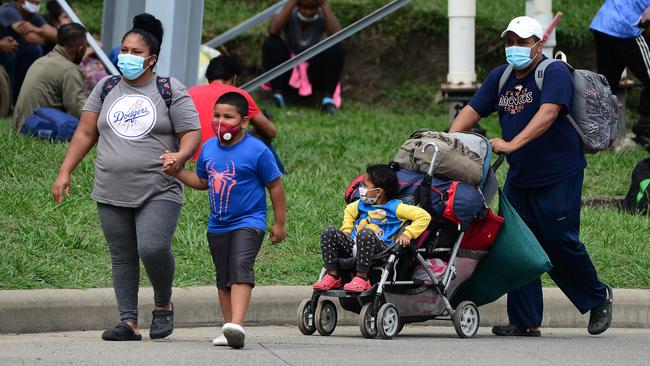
x=237, y=176
x=135, y=128
x=555, y=155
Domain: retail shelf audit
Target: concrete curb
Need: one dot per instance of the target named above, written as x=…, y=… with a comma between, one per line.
x=26, y=311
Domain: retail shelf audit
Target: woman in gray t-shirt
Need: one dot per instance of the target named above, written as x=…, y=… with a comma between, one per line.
x=134, y=120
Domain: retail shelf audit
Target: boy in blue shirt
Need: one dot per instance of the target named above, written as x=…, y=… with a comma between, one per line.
x=544, y=182
x=235, y=168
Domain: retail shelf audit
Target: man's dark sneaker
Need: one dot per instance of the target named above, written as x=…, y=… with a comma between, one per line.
x=515, y=331
x=600, y=317
x=121, y=332
x=162, y=323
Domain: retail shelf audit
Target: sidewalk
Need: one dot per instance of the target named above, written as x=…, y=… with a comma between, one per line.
x=25, y=311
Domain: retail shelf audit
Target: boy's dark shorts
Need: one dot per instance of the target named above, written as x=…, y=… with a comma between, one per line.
x=233, y=255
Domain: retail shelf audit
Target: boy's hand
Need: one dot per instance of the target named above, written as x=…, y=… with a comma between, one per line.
x=278, y=233
x=171, y=165
x=403, y=240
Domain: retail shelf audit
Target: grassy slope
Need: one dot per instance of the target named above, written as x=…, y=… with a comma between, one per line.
x=45, y=245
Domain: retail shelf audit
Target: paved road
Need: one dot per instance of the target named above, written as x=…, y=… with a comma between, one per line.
x=277, y=345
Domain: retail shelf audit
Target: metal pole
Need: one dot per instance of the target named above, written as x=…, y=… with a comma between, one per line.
x=461, y=42
x=91, y=41
x=325, y=44
x=242, y=27
x=542, y=10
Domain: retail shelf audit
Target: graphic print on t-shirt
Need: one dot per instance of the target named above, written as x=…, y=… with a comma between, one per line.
x=132, y=116
x=514, y=101
x=373, y=221
x=220, y=183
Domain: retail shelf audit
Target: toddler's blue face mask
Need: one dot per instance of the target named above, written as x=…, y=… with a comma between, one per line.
x=131, y=66
x=519, y=57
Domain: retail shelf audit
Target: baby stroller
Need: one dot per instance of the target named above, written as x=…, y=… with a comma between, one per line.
x=396, y=298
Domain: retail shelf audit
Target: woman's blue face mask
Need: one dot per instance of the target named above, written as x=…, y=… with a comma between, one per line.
x=519, y=57
x=131, y=66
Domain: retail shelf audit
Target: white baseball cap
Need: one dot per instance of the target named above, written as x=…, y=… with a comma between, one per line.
x=524, y=27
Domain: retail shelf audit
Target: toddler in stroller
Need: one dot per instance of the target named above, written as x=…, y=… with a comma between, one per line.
x=373, y=222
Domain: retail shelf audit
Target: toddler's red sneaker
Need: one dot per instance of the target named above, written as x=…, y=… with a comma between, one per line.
x=328, y=282
x=358, y=284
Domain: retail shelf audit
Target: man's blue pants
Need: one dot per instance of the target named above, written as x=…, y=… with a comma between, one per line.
x=553, y=214
x=17, y=64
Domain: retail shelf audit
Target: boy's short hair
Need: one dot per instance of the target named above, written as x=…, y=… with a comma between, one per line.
x=236, y=100
x=222, y=67
x=384, y=177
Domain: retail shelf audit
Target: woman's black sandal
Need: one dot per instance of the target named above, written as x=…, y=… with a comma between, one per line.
x=121, y=332
x=162, y=323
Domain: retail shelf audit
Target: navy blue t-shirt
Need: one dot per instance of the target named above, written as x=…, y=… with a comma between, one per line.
x=237, y=176
x=9, y=15
x=555, y=155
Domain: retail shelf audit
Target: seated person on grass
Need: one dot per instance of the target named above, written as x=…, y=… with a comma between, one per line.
x=222, y=73
x=21, y=20
x=304, y=23
x=55, y=80
x=371, y=222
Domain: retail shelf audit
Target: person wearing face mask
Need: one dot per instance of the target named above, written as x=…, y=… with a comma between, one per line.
x=544, y=181
x=235, y=168
x=21, y=20
x=55, y=80
x=372, y=222
x=138, y=204
x=304, y=22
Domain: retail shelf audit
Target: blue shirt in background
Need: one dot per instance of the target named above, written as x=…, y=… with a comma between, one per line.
x=555, y=155
x=237, y=176
x=618, y=18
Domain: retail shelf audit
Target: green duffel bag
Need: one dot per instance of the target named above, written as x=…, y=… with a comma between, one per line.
x=515, y=258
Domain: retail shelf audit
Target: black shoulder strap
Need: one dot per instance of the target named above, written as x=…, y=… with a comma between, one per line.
x=109, y=84
x=165, y=89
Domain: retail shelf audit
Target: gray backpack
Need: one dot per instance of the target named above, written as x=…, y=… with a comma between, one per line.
x=454, y=160
x=594, y=109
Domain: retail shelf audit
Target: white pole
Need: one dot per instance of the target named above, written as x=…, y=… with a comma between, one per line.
x=542, y=10
x=461, y=42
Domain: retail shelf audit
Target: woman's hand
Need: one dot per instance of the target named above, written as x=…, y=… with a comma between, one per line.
x=171, y=163
x=61, y=186
x=278, y=233
x=404, y=241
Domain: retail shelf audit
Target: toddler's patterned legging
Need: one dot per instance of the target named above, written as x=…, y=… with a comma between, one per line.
x=335, y=244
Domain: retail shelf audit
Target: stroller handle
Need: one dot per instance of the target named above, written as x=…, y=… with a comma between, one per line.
x=433, y=157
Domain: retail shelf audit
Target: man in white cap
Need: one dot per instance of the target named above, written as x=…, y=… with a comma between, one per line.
x=544, y=182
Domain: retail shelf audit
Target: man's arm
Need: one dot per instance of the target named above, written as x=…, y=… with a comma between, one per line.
x=332, y=24
x=541, y=122
x=264, y=127
x=280, y=20
x=30, y=33
x=466, y=119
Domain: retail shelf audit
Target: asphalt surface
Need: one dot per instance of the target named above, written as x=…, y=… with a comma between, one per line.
x=284, y=345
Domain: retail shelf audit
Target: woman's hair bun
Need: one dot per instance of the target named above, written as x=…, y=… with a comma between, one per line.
x=149, y=23
x=394, y=165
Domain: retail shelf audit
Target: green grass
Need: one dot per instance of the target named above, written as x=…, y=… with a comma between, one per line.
x=61, y=246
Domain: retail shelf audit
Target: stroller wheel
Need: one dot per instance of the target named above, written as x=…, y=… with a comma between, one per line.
x=367, y=322
x=305, y=318
x=388, y=324
x=466, y=319
x=326, y=317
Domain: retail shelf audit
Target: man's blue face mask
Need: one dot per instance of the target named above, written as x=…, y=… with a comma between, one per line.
x=519, y=57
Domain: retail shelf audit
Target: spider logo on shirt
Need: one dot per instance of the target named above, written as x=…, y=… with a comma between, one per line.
x=220, y=185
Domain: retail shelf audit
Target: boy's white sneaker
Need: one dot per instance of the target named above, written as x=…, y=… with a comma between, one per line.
x=220, y=341
x=234, y=334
